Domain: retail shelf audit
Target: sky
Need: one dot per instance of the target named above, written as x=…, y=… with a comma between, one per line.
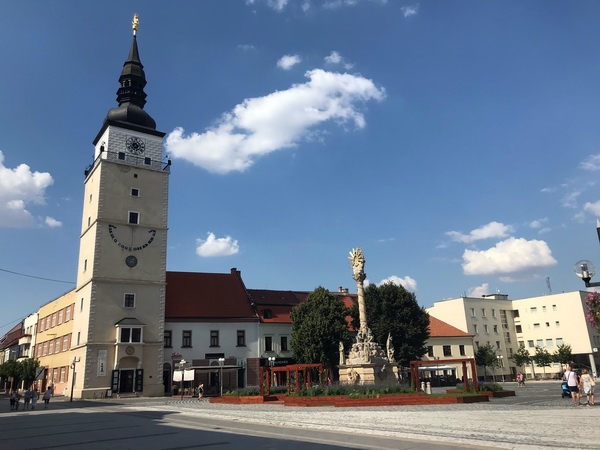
x=457, y=143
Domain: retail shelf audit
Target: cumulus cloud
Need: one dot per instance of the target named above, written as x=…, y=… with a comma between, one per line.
x=335, y=58
x=53, y=223
x=246, y=47
x=277, y=5
x=540, y=225
x=261, y=125
x=213, y=246
x=508, y=256
x=408, y=11
x=18, y=188
x=591, y=163
x=593, y=208
x=479, y=291
x=286, y=62
x=491, y=230
x=407, y=282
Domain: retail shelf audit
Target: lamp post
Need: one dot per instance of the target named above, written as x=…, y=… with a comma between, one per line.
x=182, y=364
x=73, y=365
x=585, y=269
x=501, y=365
x=271, y=364
x=221, y=362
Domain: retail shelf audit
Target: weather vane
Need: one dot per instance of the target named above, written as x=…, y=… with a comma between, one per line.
x=135, y=24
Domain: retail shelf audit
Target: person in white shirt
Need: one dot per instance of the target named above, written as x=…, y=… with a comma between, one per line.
x=570, y=376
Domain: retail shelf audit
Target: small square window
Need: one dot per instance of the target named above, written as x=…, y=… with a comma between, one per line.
x=147, y=161
x=134, y=217
x=129, y=301
x=135, y=192
x=122, y=156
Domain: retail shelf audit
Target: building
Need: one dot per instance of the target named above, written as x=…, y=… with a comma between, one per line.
x=547, y=322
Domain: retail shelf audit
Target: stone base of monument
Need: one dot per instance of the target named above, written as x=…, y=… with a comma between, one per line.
x=376, y=373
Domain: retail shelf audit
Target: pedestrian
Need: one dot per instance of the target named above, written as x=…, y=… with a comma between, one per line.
x=519, y=379
x=570, y=377
x=13, y=399
x=587, y=386
x=200, y=390
x=35, y=395
x=26, y=399
x=46, y=397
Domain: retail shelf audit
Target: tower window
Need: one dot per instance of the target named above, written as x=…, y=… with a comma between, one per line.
x=121, y=156
x=129, y=301
x=130, y=334
x=135, y=192
x=134, y=217
x=147, y=161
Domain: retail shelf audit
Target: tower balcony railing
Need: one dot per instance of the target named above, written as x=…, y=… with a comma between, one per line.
x=130, y=160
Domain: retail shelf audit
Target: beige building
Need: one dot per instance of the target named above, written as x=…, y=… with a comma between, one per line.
x=53, y=342
x=547, y=321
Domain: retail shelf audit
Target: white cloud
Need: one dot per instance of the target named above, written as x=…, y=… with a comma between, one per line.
x=213, y=246
x=261, y=125
x=53, y=223
x=508, y=256
x=18, y=188
x=535, y=224
x=591, y=163
x=408, y=11
x=593, y=208
x=335, y=58
x=288, y=61
x=407, y=282
x=479, y=291
x=277, y=5
x=246, y=47
x=491, y=230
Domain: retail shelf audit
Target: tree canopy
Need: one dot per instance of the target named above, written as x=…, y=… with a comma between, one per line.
x=392, y=310
x=486, y=356
x=563, y=354
x=318, y=326
x=20, y=370
x=542, y=357
x=521, y=357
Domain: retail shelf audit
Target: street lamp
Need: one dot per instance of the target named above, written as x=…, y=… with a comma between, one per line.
x=182, y=364
x=221, y=362
x=501, y=364
x=585, y=269
x=73, y=364
x=271, y=364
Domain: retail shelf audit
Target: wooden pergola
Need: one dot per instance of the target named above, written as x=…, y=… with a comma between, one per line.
x=266, y=376
x=415, y=365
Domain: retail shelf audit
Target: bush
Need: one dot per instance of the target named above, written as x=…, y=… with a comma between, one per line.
x=490, y=387
x=353, y=391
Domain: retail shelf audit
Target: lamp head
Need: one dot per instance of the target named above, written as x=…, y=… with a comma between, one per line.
x=584, y=269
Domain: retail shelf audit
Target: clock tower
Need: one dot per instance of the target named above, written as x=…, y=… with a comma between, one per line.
x=117, y=340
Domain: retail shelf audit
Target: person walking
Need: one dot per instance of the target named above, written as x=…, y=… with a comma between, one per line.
x=26, y=399
x=13, y=399
x=200, y=391
x=572, y=380
x=520, y=380
x=35, y=395
x=47, y=396
x=587, y=386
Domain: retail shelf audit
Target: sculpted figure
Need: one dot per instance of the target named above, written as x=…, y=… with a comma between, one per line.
x=390, y=349
x=342, y=358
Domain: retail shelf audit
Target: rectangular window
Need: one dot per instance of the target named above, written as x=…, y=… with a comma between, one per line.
x=214, y=338
x=129, y=301
x=477, y=344
x=284, y=344
x=548, y=342
x=45, y=349
x=186, y=338
x=533, y=309
x=540, y=343
x=51, y=347
x=241, y=338
x=530, y=343
x=559, y=342
x=147, y=161
x=547, y=324
x=57, y=344
x=493, y=313
x=134, y=217
x=135, y=192
x=554, y=308
x=130, y=334
x=496, y=329
x=60, y=317
x=430, y=351
x=268, y=343
x=168, y=339
x=516, y=313
x=136, y=335
x=461, y=350
x=78, y=337
x=472, y=312
x=122, y=156
x=498, y=345
x=53, y=320
x=65, y=344
x=63, y=375
x=557, y=324
x=521, y=343
x=518, y=328
x=475, y=328
x=483, y=312
x=485, y=328
x=536, y=325
x=47, y=323
x=543, y=309
x=447, y=350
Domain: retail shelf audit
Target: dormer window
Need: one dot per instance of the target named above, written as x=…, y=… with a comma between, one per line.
x=268, y=314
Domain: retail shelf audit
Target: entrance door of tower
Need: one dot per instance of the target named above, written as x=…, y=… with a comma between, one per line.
x=126, y=381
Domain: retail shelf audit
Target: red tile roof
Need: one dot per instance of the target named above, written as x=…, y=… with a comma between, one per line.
x=207, y=296
x=274, y=306
x=438, y=328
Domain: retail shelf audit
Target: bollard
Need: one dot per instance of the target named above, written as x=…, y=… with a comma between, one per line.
x=428, y=387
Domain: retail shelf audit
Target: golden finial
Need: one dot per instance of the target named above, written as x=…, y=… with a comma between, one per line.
x=135, y=24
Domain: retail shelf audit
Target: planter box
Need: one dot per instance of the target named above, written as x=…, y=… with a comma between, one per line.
x=499, y=394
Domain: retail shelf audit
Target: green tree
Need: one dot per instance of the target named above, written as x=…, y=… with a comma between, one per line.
x=485, y=356
x=542, y=358
x=11, y=369
x=563, y=354
x=318, y=326
x=521, y=357
x=27, y=370
x=391, y=309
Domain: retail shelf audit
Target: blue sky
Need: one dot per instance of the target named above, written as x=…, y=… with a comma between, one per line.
x=456, y=142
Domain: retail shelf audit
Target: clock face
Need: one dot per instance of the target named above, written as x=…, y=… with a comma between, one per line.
x=131, y=261
x=135, y=145
x=125, y=240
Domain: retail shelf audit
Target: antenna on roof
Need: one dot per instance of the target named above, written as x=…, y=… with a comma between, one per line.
x=549, y=285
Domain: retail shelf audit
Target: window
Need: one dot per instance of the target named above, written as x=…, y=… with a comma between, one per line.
x=521, y=343
x=540, y=343
x=47, y=322
x=147, y=161
x=65, y=344
x=516, y=313
x=81, y=305
x=493, y=313
x=485, y=329
x=130, y=334
x=63, y=375
x=476, y=344
x=135, y=192
x=510, y=352
x=548, y=342
x=536, y=325
x=559, y=341
x=533, y=309
x=483, y=312
x=129, y=301
x=530, y=343
x=51, y=347
x=475, y=328
x=57, y=345
x=472, y=312
x=134, y=217
x=518, y=328
x=430, y=351
x=241, y=338
x=547, y=324
x=447, y=350
x=53, y=320
x=60, y=317
x=214, y=338
x=461, y=350
x=554, y=308
x=168, y=339
x=557, y=324
x=186, y=338
x=543, y=309
x=85, y=265
x=78, y=337
x=122, y=156
x=496, y=329
x=268, y=314
x=284, y=344
x=498, y=345
x=268, y=343
x=45, y=349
